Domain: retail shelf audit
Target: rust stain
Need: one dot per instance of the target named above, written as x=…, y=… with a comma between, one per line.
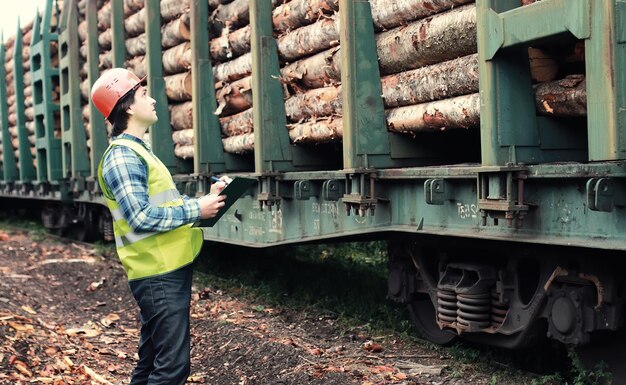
x=596, y=281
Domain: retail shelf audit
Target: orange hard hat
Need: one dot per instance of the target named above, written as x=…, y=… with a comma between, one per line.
x=113, y=85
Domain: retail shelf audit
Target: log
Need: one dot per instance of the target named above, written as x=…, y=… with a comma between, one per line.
x=184, y=152
x=317, y=71
x=234, y=97
x=543, y=67
x=313, y=104
x=135, y=24
x=438, y=38
x=85, y=89
x=84, y=51
x=105, y=60
x=177, y=59
x=178, y=86
x=85, y=112
x=181, y=116
x=137, y=65
x=12, y=119
x=132, y=6
x=321, y=131
x=239, y=144
x=229, y=17
x=82, y=31
x=438, y=81
x=387, y=15
x=105, y=38
x=310, y=39
x=136, y=46
x=237, y=124
x=104, y=16
x=175, y=32
x=183, y=137
x=171, y=9
x=459, y=112
x=234, y=69
x=298, y=13
x=228, y=47
x=562, y=98
x=29, y=113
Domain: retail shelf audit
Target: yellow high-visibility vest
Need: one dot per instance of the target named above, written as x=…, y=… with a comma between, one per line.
x=148, y=254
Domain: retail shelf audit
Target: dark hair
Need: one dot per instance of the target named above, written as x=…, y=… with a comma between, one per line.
x=119, y=117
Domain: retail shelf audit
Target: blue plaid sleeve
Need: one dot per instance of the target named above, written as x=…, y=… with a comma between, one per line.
x=126, y=176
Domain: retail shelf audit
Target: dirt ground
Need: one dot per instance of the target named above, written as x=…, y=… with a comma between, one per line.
x=67, y=317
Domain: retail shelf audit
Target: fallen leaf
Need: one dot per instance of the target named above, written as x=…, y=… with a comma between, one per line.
x=110, y=319
x=315, y=352
x=28, y=309
x=21, y=328
x=381, y=369
x=4, y=237
x=372, y=347
x=22, y=368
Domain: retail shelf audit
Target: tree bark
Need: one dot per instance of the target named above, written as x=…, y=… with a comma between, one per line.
x=136, y=46
x=105, y=60
x=184, y=152
x=316, y=132
x=298, y=13
x=105, y=38
x=181, y=116
x=234, y=69
x=387, y=15
x=177, y=59
x=234, y=97
x=104, y=16
x=29, y=113
x=175, y=32
x=237, y=124
x=82, y=30
x=83, y=50
x=438, y=81
x=132, y=6
x=135, y=24
x=562, y=98
x=316, y=71
x=543, y=67
x=459, y=112
x=138, y=66
x=228, y=47
x=171, y=9
x=229, y=17
x=313, y=104
x=178, y=86
x=183, y=137
x=310, y=39
x=438, y=38
x=239, y=144
x=85, y=89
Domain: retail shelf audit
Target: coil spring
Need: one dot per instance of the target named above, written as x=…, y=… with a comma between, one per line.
x=474, y=310
x=446, y=306
x=498, y=310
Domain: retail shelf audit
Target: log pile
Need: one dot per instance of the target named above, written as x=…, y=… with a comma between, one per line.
x=82, y=64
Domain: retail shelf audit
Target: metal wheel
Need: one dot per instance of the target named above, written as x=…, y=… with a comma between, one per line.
x=424, y=318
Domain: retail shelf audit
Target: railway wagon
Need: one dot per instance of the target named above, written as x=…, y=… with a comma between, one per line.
x=485, y=141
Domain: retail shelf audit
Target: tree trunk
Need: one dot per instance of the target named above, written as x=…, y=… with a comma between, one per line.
x=298, y=13
x=439, y=38
x=438, y=81
x=316, y=71
x=136, y=46
x=137, y=65
x=132, y=6
x=177, y=59
x=237, y=124
x=178, y=86
x=313, y=104
x=228, y=47
x=171, y=9
x=316, y=132
x=239, y=144
x=310, y=39
x=234, y=69
x=459, y=112
x=135, y=24
x=183, y=137
x=562, y=98
x=387, y=15
x=105, y=38
x=229, y=17
x=175, y=32
x=184, y=152
x=234, y=97
x=181, y=116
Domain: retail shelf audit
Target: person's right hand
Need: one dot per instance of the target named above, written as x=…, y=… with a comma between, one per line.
x=210, y=204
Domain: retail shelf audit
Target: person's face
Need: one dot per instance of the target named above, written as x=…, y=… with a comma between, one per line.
x=142, y=110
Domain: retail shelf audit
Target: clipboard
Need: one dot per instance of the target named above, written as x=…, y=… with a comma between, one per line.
x=235, y=189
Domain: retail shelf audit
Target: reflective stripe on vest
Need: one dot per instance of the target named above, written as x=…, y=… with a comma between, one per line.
x=152, y=253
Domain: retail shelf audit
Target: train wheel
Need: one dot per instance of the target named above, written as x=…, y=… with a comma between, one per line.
x=424, y=318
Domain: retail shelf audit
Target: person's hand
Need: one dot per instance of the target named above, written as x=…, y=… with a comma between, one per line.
x=210, y=205
x=217, y=187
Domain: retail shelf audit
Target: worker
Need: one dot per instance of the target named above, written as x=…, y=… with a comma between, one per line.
x=152, y=226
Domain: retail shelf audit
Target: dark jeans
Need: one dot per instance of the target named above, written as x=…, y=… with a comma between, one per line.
x=164, y=344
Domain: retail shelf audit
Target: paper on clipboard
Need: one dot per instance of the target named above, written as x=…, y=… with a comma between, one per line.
x=236, y=188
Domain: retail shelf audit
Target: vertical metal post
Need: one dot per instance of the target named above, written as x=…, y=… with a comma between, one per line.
x=208, y=149
x=605, y=54
x=9, y=167
x=365, y=136
x=75, y=159
x=27, y=167
x=118, y=37
x=98, y=135
x=161, y=131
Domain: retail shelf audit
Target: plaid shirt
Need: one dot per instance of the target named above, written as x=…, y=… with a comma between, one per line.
x=126, y=178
